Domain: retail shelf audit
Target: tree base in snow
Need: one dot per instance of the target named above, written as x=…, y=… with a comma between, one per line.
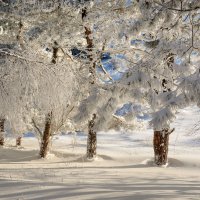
x=91, y=150
x=160, y=143
x=2, y=141
x=19, y=141
x=92, y=139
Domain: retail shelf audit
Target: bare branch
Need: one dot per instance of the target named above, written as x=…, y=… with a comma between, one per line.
x=36, y=127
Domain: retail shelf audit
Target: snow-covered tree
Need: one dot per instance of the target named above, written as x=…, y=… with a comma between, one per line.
x=175, y=28
x=97, y=19
x=42, y=87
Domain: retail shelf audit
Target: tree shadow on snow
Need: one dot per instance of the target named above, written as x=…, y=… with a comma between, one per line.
x=129, y=188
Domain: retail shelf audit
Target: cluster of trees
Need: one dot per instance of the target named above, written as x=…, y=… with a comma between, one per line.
x=52, y=77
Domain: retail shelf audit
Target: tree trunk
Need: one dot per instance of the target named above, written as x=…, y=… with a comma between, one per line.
x=161, y=138
x=45, y=143
x=92, y=136
x=55, y=53
x=92, y=139
x=2, y=132
x=18, y=141
x=161, y=143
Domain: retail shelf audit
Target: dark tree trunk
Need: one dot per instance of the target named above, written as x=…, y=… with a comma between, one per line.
x=92, y=139
x=161, y=143
x=45, y=143
x=55, y=53
x=92, y=63
x=18, y=141
x=90, y=46
x=2, y=132
x=92, y=136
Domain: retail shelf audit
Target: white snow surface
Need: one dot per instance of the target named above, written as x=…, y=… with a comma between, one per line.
x=123, y=170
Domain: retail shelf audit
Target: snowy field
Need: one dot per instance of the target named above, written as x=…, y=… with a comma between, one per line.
x=123, y=169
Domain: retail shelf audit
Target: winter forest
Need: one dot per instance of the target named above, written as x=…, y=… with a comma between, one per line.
x=99, y=99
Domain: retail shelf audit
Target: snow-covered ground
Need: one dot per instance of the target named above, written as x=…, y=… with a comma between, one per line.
x=123, y=169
